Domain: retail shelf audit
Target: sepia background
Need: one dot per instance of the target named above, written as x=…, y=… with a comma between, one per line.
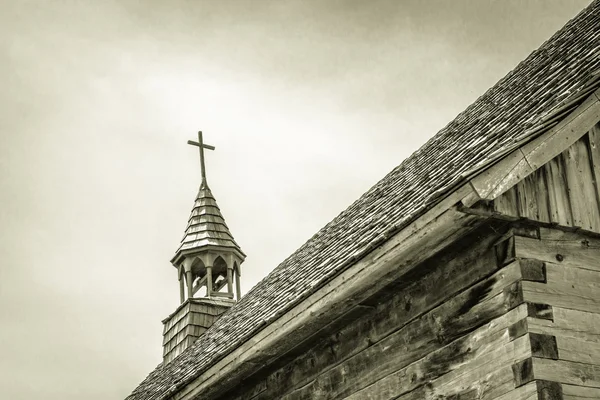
x=309, y=103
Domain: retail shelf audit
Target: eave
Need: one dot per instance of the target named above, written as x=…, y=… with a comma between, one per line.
x=393, y=255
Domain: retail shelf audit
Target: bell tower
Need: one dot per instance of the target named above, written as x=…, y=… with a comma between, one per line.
x=208, y=264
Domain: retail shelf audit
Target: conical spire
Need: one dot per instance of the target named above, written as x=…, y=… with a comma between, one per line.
x=206, y=228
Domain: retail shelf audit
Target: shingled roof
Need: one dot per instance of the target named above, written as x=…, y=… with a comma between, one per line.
x=550, y=77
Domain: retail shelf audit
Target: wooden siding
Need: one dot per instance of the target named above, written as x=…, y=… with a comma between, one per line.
x=442, y=332
x=565, y=191
x=507, y=315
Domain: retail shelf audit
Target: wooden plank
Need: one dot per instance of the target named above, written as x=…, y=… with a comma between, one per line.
x=528, y=207
x=444, y=324
x=578, y=350
x=577, y=320
x=581, y=252
x=487, y=386
x=453, y=365
x=569, y=324
x=572, y=275
x=525, y=392
x=572, y=392
x=532, y=197
x=470, y=260
x=563, y=294
x=542, y=195
x=558, y=196
x=424, y=237
x=587, y=181
x=566, y=287
x=567, y=372
x=594, y=140
x=507, y=203
x=582, y=193
x=491, y=182
x=554, y=234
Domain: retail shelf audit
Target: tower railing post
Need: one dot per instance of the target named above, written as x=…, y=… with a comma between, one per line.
x=230, y=280
x=181, y=286
x=209, y=281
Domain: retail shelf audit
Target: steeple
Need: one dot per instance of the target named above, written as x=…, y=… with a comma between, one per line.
x=208, y=266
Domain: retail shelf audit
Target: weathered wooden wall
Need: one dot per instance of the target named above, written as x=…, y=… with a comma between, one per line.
x=510, y=312
x=454, y=329
x=501, y=315
x=568, y=358
x=565, y=191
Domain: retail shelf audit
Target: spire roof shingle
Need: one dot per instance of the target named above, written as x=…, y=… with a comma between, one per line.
x=206, y=226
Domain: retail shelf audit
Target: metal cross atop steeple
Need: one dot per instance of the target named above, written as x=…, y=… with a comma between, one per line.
x=201, y=147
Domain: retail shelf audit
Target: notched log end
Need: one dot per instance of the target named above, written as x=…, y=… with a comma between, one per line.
x=505, y=251
x=523, y=372
x=533, y=270
x=517, y=329
x=540, y=311
x=543, y=346
x=513, y=295
x=548, y=390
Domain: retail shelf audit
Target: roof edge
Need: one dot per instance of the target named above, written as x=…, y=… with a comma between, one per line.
x=496, y=178
x=438, y=227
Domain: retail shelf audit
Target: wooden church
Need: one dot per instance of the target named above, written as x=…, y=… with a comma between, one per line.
x=471, y=271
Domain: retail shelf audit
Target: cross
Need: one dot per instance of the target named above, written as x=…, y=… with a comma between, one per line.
x=201, y=147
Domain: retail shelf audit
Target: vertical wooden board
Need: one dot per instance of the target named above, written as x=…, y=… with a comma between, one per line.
x=573, y=187
x=528, y=207
x=582, y=194
x=594, y=142
x=558, y=196
x=507, y=203
x=542, y=196
x=585, y=164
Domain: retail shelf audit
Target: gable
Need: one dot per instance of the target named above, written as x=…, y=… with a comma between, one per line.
x=565, y=191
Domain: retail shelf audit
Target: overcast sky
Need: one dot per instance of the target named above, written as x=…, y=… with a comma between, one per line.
x=309, y=103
